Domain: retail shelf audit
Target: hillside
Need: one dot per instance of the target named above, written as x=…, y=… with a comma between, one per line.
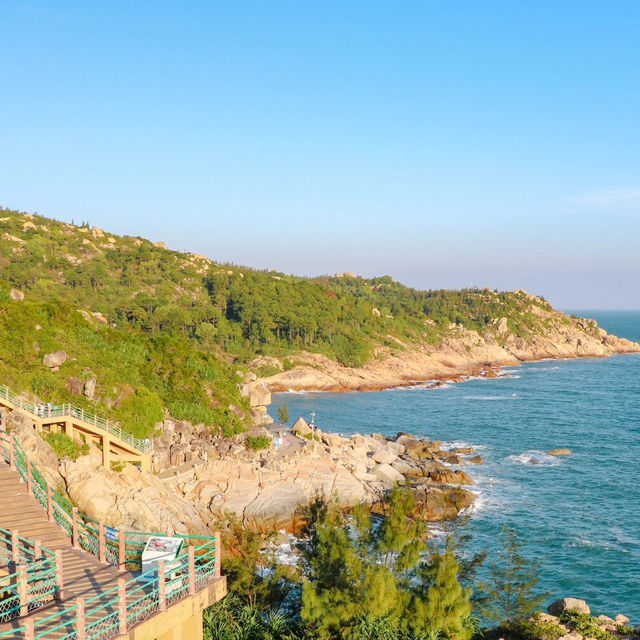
x=163, y=330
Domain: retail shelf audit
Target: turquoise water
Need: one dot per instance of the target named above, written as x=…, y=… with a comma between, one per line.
x=579, y=515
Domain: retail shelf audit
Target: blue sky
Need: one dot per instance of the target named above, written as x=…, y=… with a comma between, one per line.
x=443, y=143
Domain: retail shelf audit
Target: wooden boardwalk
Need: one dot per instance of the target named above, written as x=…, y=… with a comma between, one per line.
x=83, y=575
x=117, y=445
x=83, y=590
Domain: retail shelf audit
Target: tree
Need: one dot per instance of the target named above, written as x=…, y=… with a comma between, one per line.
x=358, y=570
x=283, y=413
x=447, y=607
x=510, y=593
x=254, y=575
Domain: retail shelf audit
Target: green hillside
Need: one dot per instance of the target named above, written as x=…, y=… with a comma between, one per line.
x=176, y=326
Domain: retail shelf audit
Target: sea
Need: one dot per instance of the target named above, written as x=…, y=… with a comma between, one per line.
x=578, y=516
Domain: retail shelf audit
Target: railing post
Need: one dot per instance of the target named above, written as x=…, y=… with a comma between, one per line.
x=59, y=574
x=74, y=528
x=81, y=633
x=162, y=587
x=192, y=570
x=49, y=503
x=30, y=630
x=102, y=552
x=122, y=606
x=122, y=550
x=15, y=547
x=218, y=553
x=23, y=590
x=29, y=478
x=12, y=452
x=37, y=549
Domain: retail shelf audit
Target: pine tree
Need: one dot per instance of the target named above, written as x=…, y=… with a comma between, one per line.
x=510, y=593
x=441, y=606
x=283, y=413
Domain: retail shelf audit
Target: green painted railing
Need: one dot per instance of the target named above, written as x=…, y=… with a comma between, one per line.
x=33, y=578
x=42, y=411
x=114, y=611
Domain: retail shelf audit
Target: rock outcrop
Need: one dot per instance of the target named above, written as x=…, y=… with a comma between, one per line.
x=573, y=621
x=259, y=398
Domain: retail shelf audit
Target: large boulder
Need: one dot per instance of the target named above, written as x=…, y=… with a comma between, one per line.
x=55, y=359
x=435, y=504
x=384, y=456
x=388, y=475
x=301, y=428
x=443, y=475
x=559, y=452
x=75, y=386
x=257, y=392
x=90, y=388
x=559, y=607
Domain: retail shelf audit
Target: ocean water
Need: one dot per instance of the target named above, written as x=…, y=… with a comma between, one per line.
x=578, y=515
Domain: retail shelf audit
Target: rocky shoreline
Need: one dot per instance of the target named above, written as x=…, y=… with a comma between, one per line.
x=266, y=489
x=463, y=354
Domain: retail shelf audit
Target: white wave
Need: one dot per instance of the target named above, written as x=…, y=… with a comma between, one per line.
x=624, y=538
x=584, y=542
x=488, y=398
x=534, y=458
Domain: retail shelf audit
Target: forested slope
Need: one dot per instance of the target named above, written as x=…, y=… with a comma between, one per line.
x=174, y=327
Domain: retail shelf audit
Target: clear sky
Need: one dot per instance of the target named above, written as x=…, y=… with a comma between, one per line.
x=443, y=143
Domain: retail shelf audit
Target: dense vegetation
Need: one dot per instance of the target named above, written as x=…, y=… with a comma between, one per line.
x=172, y=324
x=364, y=579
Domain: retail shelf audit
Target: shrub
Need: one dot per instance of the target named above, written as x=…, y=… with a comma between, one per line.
x=533, y=630
x=585, y=625
x=258, y=442
x=64, y=446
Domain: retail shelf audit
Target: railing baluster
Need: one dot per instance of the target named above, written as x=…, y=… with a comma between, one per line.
x=162, y=587
x=74, y=528
x=49, y=503
x=15, y=547
x=29, y=478
x=122, y=608
x=122, y=550
x=23, y=590
x=192, y=570
x=29, y=632
x=218, y=555
x=80, y=621
x=59, y=575
x=102, y=552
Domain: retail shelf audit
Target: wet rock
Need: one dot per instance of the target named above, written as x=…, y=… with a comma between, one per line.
x=441, y=503
x=559, y=452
